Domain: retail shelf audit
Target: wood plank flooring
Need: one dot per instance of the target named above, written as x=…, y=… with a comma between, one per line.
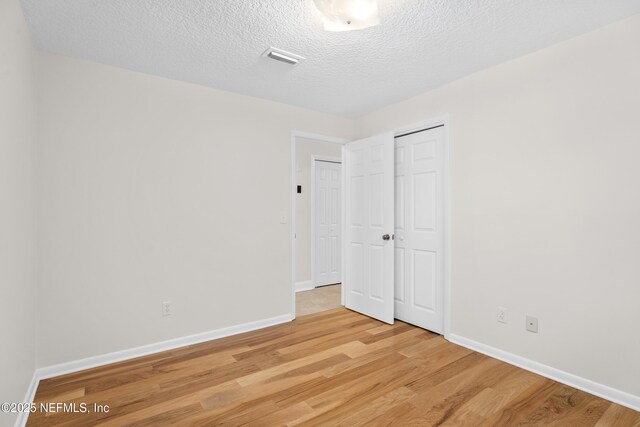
x=334, y=368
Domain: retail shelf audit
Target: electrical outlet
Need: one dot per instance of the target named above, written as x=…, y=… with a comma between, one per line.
x=532, y=324
x=167, y=308
x=283, y=217
x=502, y=315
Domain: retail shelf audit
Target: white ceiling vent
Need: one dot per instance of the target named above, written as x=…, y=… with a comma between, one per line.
x=283, y=56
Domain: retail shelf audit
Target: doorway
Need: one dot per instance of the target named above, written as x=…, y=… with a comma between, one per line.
x=316, y=223
x=326, y=213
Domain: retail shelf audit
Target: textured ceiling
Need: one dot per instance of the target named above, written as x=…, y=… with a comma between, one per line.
x=420, y=45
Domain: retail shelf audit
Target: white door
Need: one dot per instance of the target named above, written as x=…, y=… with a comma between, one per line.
x=419, y=219
x=369, y=226
x=327, y=253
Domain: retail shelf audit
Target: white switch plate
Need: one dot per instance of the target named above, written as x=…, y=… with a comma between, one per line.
x=283, y=217
x=532, y=324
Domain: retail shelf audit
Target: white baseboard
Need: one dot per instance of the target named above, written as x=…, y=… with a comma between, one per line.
x=307, y=285
x=617, y=396
x=119, y=356
x=21, y=421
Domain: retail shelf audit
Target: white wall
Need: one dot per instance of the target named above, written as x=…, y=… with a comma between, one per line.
x=158, y=190
x=545, y=211
x=305, y=149
x=17, y=206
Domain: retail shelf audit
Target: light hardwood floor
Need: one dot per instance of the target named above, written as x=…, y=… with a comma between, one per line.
x=318, y=299
x=334, y=368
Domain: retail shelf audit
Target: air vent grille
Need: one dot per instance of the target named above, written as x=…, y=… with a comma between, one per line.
x=282, y=56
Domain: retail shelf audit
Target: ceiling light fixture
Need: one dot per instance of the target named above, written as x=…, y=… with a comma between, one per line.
x=345, y=15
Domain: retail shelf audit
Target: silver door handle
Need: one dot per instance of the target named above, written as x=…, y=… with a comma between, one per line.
x=386, y=237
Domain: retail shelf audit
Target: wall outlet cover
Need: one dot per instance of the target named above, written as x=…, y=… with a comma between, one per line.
x=167, y=308
x=502, y=315
x=532, y=324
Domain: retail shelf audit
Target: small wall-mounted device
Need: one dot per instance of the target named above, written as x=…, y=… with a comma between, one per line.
x=167, y=308
x=299, y=190
x=502, y=315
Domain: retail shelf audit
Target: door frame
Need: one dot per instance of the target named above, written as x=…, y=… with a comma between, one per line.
x=424, y=125
x=319, y=158
x=295, y=135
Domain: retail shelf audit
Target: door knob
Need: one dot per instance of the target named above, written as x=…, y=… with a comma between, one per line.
x=386, y=237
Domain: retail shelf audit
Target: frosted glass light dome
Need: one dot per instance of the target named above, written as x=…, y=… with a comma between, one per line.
x=346, y=15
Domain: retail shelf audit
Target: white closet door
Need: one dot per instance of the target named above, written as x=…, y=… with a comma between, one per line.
x=369, y=215
x=419, y=219
x=327, y=251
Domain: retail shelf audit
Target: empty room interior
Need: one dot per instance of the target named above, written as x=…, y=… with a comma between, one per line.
x=320, y=212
